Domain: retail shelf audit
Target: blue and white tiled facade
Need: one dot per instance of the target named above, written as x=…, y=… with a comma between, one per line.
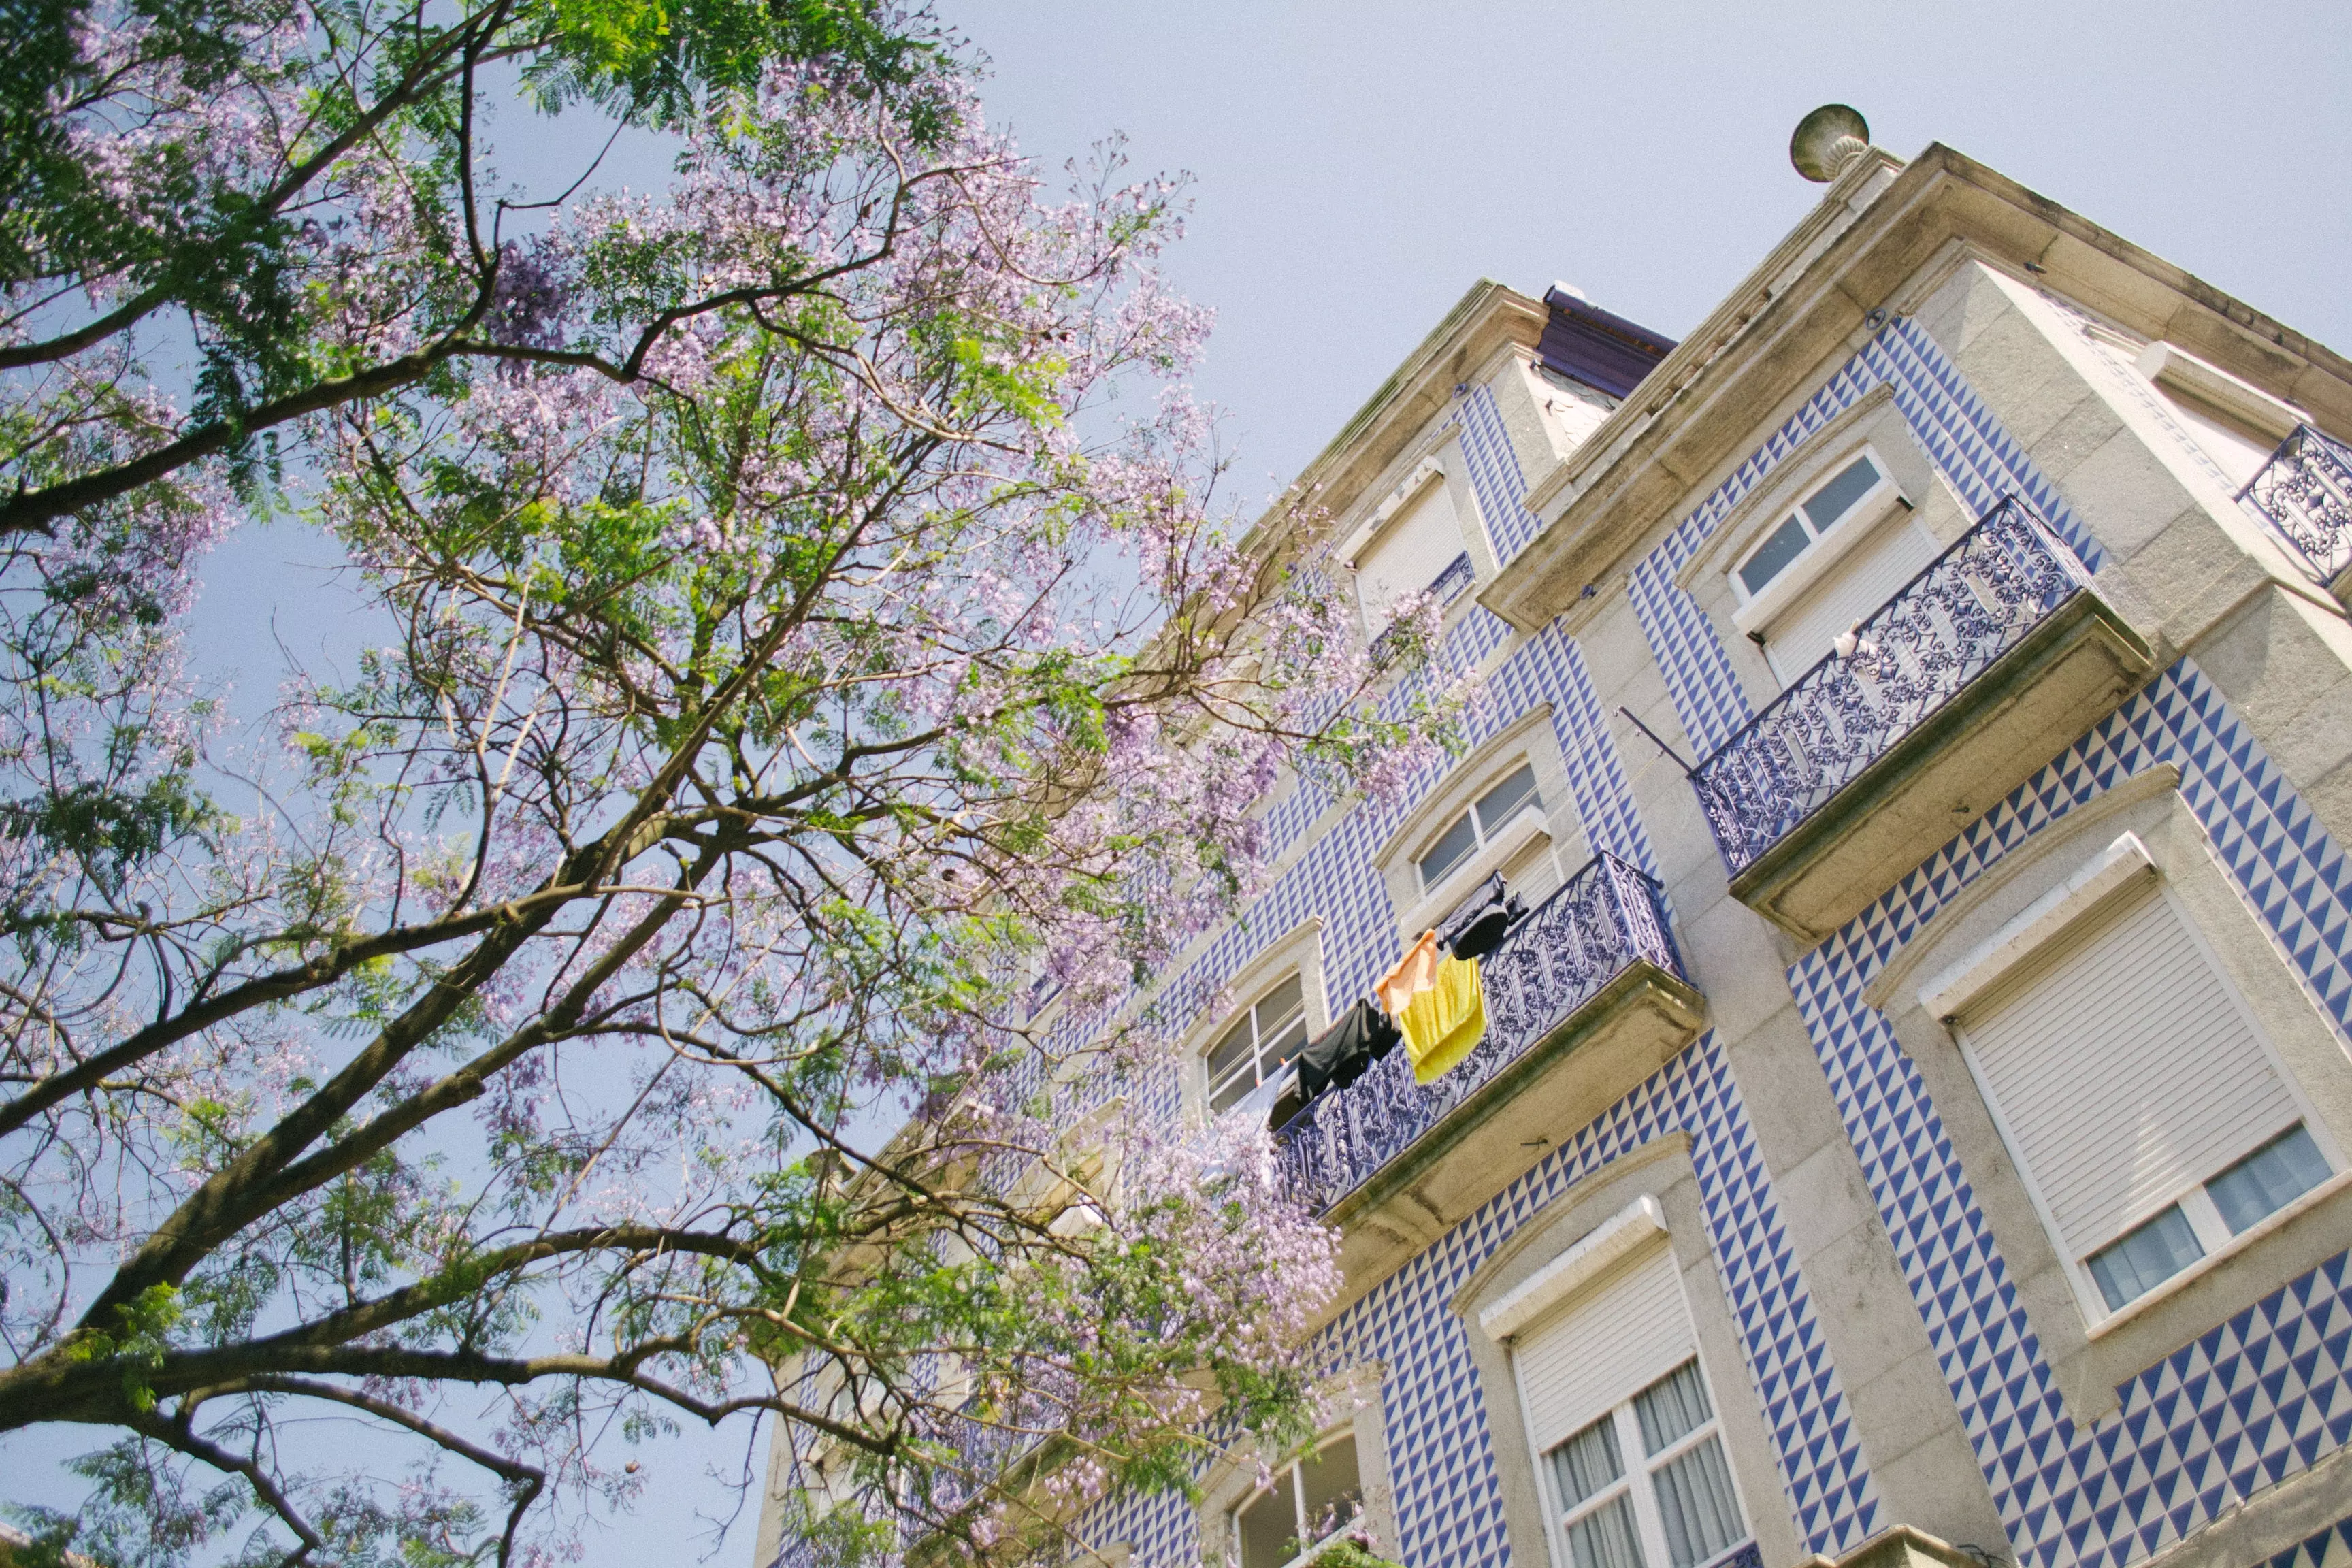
x=1448, y=1504
x=2195, y=1439
x=2261, y=1396
x=2246, y=1406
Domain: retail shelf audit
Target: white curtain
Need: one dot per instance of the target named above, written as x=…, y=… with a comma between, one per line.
x=1702, y=1517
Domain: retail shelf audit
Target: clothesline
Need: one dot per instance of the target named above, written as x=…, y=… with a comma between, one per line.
x=1432, y=999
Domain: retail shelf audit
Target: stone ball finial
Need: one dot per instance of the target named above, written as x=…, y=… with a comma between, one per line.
x=1828, y=140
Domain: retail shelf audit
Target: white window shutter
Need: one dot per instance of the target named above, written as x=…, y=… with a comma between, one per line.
x=2124, y=1072
x=1899, y=549
x=1609, y=1340
x=1408, y=554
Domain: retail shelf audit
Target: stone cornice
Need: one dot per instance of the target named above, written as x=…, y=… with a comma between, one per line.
x=1488, y=319
x=1810, y=301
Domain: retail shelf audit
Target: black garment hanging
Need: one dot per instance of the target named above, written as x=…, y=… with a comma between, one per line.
x=1338, y=1057
x=1477, y=925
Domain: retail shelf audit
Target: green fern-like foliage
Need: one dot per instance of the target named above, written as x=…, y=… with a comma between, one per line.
x=1348, y=1555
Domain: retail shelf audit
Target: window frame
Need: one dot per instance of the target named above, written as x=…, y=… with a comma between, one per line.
x=2040, y=936
x=2090, y=1367
x=1634, y=1459
x=1849, y=524
x=1289, y=1471
x=1390, y=519
x=1301, y=1018
x=1546, y=847
x=1481, y=836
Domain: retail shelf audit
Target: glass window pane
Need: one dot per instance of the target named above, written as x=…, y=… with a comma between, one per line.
x=1449, y=851
x=1788, y=543
x=1279, y=1049
x=1672, y=1408
x=1233, y=1050
x=1696, y=1500
x=2269, y=1179
x=2130, y=1268
x=1329, y=1487
x=1587, y=1462
x=1281, y=1005
x=1224, y=1096
x=1835, y=499
x=1502, y=802
x=1604, y=1538
x=1267, y=1524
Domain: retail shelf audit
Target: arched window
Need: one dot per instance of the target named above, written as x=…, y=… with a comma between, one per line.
x=1834, y=557
x=1480, y=823
x=1259, y=1044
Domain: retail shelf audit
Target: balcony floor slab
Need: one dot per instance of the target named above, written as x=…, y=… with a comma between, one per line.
x=1632, y=1026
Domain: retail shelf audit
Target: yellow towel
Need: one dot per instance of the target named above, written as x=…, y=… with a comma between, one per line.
x=1445, y=1023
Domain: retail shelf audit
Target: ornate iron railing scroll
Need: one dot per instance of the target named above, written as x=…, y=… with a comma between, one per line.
x=2304, y=493
x=1607, y=916
x=1449, y=583
x=1894, y=671
x=1445, y=587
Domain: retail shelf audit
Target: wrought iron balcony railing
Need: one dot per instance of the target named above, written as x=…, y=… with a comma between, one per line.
x=1448, y=584
x=1892, y=673
x=1606, y=918
x=2304, y=493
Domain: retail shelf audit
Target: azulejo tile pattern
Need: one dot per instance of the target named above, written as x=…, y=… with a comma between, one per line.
x=2253, y=1402
x=2331, y=1548
x=1495, y=472
x=1448, y=1504
x=2258, y=1399
x=1951, y=423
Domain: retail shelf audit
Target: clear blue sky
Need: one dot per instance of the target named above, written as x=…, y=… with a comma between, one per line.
x=1360, y=166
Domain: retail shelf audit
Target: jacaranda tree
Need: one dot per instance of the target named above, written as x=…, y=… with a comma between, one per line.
x=796, y=617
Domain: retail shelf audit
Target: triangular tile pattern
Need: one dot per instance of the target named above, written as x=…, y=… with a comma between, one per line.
x=2331, y=1548
x=1495, y=471
x=1596, y=773
x=1951, y=423
x=1449, y=1510
x=2257, y=1399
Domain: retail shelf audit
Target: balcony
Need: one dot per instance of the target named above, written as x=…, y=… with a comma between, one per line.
x=2304, y=494
x=1445, y=587
x=1448, y=584
x=1977, y=672
x=1584, y=999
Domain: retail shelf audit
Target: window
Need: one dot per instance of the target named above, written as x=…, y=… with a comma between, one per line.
x=2241, y=1198
x=1310, y=1502
x=2139, y=1098
x=1413, y=546
x=1254, y=1051
x=1478, y=825
x=1819, y=512
x=1792, y=601
x=2236, y=424
x=1042, y=992
x=1618, y=1409
x=1691, y=1516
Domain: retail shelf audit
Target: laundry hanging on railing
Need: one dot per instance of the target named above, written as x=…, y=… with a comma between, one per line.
x=1338, y=1057
x=1479, y=922
x=1445, y=1024
x=1415, y=973
x=1438, y=1002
